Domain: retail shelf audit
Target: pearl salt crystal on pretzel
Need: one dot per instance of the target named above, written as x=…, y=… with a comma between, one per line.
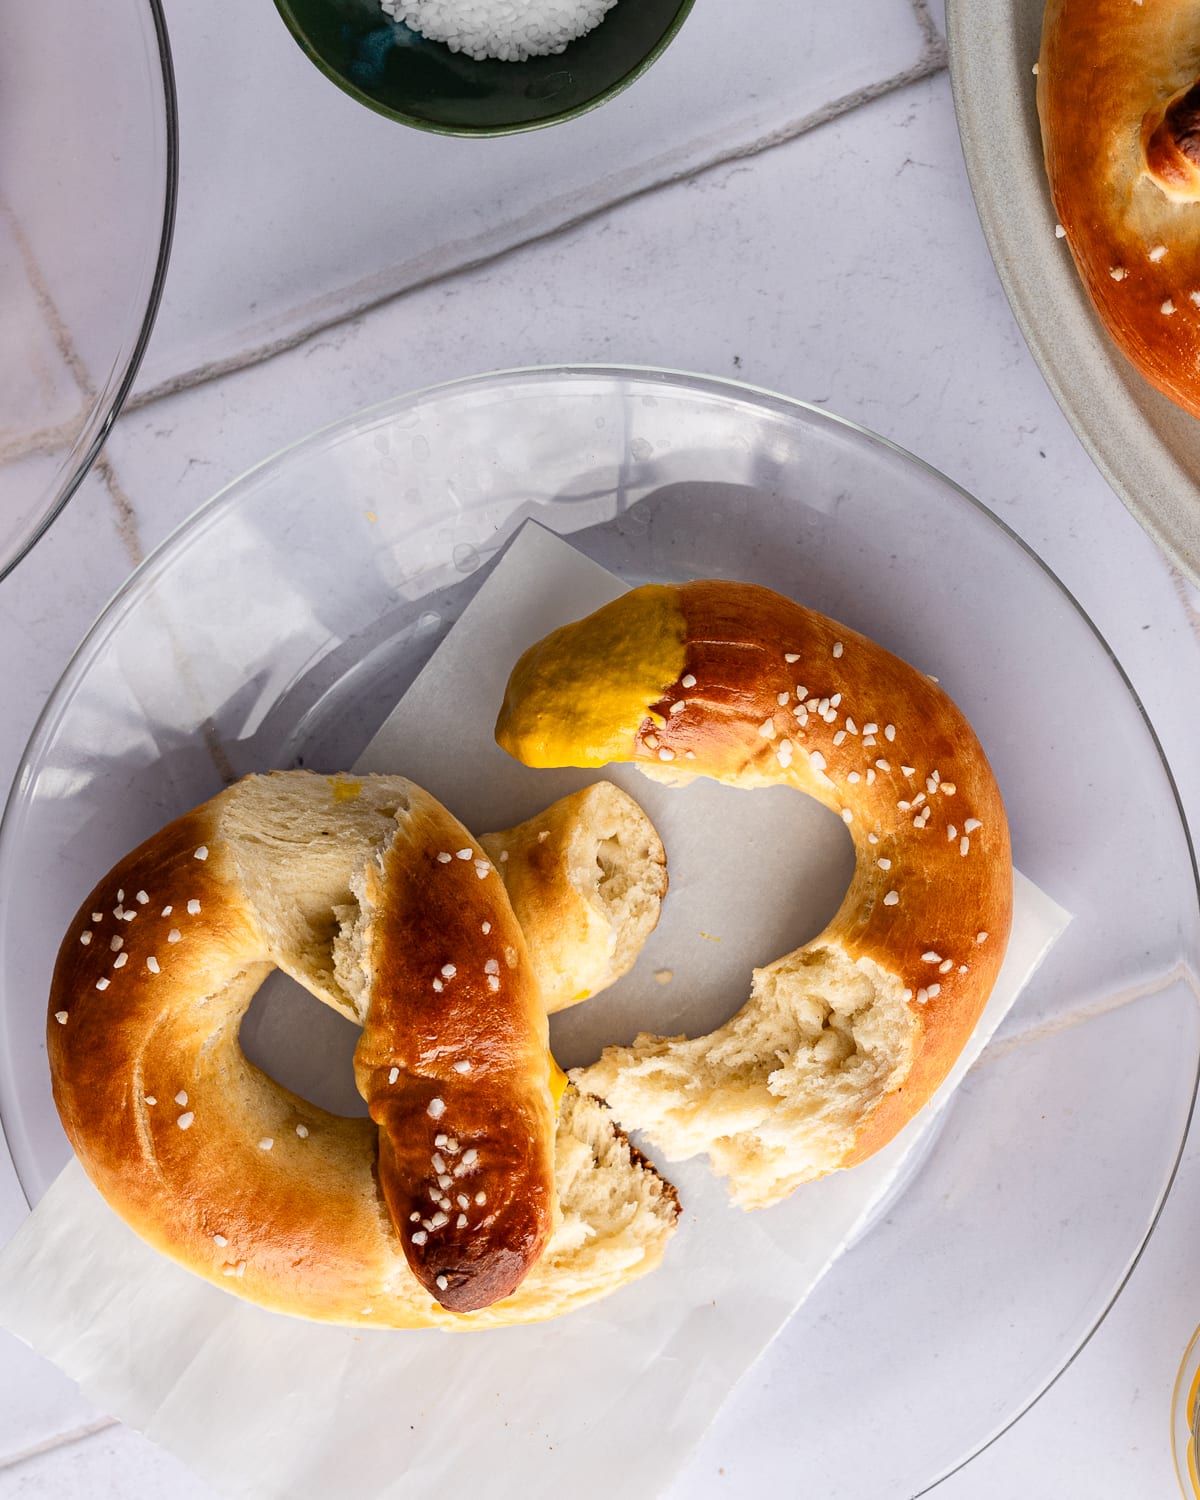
x=371, y=895
x=1118, y=94
x=842, y=1041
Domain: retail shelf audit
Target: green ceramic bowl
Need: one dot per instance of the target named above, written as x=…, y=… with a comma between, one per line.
x=395, y=71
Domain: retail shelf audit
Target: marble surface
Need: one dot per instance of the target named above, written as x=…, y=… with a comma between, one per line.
x=298, y=207
x=806, y=227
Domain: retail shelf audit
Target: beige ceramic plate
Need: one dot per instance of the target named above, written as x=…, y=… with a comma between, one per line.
x=1147, y=449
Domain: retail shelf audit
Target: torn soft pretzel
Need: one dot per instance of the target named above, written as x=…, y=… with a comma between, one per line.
x=844, y=1040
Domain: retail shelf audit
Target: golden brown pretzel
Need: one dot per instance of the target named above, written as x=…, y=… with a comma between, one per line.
x=1120, y=112
x=370, y=894
x=843, y=1041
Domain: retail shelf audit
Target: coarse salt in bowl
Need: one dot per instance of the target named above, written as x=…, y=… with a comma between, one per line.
x=509, y=30
x=483, y=67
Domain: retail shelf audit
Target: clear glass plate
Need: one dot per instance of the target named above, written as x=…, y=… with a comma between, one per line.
x=88, y=161
x=282, y=622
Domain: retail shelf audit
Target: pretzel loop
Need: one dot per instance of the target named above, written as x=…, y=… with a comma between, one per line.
x=842, y=1041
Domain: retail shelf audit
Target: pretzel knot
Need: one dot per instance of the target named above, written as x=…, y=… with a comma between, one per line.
x=462, y=1182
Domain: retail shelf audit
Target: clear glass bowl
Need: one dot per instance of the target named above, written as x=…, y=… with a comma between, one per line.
x=87, y=200
x=283, y=621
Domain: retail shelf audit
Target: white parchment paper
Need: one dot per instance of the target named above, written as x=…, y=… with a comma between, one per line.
x=266, y=1406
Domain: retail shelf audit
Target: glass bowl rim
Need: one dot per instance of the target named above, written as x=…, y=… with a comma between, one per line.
x=88, y=457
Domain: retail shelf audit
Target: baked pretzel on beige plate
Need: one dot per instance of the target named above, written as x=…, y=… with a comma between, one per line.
x=1118, y=92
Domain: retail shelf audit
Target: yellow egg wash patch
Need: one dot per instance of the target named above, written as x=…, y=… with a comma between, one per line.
x=558, y=1081
x=343, y=790
x=579, y=696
